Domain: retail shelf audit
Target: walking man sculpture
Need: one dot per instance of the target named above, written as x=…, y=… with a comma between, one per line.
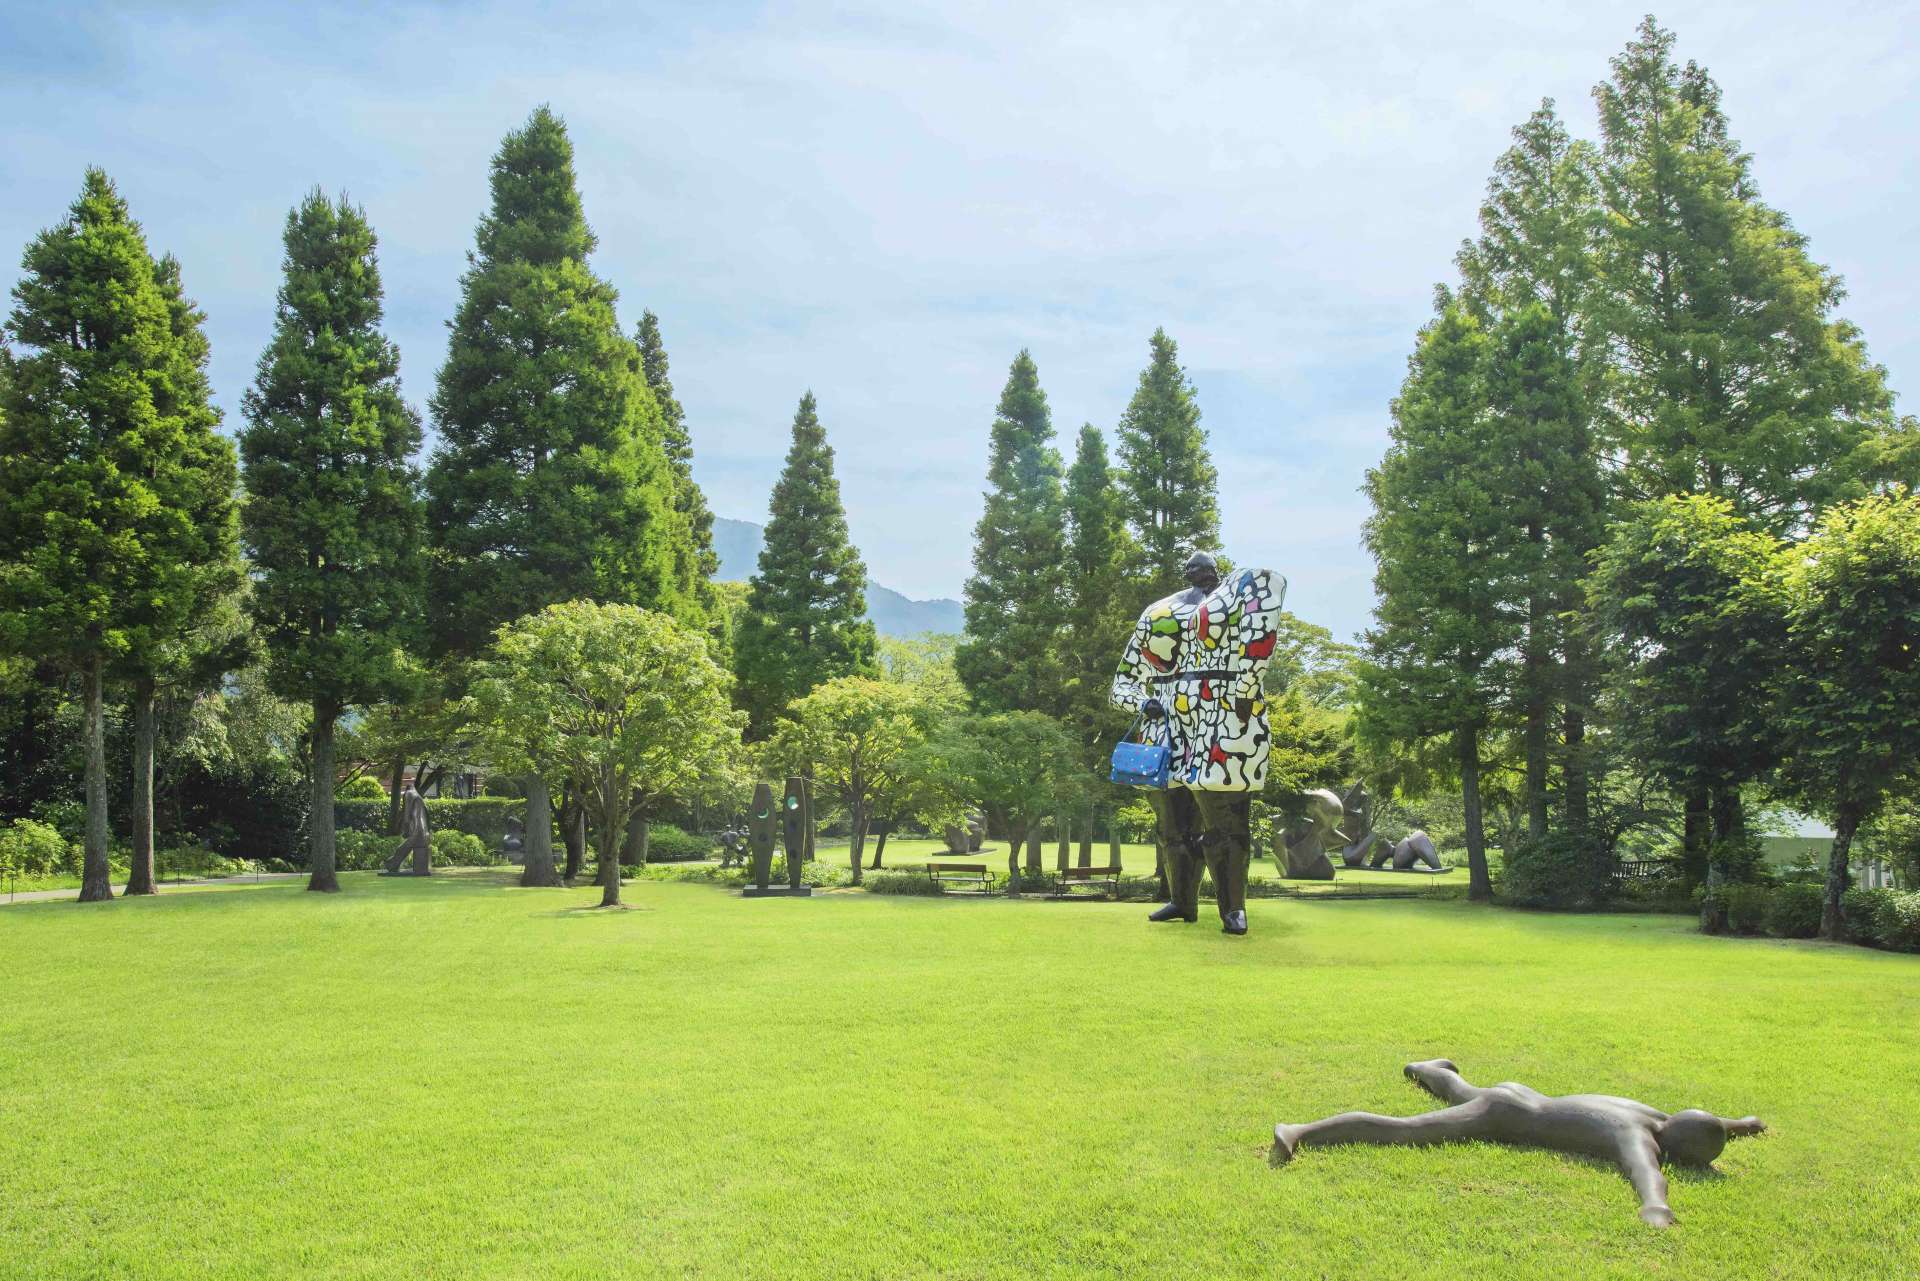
x=1636, y=1138
x=1193, y=666
x=413, y=827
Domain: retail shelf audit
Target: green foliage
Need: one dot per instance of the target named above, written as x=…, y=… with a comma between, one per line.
x=1014, y=765
x=804, y=620
x=1731, y=376
x=361, y=787
x=1311, y=747
x=30, y=848
x=1745, y=905
x=332, y=521
x=669, y=844
x=1016, y=599
x=1884, y=918
x=1793, y=911
x=1558, y=870
x=549, y=482
x=1167, y=474
x=694, y=560
x=459, y=849
x=486, y=817
x=908, y=883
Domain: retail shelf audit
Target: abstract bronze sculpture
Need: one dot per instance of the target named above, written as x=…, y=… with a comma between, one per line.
x=1415, y=847
x=1636, y=1138
x=795, y=820
x=413, y=828
x=1195, y=661
x=1308, y=838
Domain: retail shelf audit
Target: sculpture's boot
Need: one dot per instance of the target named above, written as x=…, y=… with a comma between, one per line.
x=1235, y=923
x=1173, y=912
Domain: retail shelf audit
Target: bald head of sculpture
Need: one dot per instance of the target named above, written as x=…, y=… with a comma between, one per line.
x=1693, y=1137
x=1201, y=571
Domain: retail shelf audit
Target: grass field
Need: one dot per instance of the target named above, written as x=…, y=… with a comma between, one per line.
x=458, y=1078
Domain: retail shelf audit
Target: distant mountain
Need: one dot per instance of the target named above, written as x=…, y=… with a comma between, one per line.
x=738, y=543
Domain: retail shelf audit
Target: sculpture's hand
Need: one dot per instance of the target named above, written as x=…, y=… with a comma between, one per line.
x=1153, y=709
x=1659, y=1216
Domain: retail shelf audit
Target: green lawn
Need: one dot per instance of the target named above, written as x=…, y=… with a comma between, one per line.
x=457, y=1078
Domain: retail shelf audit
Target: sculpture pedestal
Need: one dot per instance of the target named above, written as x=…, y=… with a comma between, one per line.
x=777, y=891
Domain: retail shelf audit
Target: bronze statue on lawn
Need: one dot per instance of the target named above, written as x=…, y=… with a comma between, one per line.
x=1636, y=1138
x=413, y=828
x=1194, y=665
x=794, y=820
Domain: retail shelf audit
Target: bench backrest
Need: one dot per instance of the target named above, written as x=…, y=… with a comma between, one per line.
x=1090, y=873
x=957, y=867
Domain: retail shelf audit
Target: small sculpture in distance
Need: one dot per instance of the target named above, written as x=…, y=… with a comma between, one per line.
x=1356, y=825
x=966, y=836
x=1307, y=839
x=1638, y=1139
x=1415, y=847
x=413, y=830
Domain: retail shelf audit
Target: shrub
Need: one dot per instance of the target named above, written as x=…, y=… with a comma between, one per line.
x=1899, y=922
x=31, y=848
x=460, y=849
x=1793, y=911
x=669, y=844
x=1563, y=869
x=485, y=816
x=357, y=851
x=361, y=787
x=197, y=860
x=1745, y=906
x=901, y=883
x=1860, y=909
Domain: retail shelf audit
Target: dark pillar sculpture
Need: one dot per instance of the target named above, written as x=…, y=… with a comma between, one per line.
x=413, y=828
x=761, y=823
x=1638, y=1139
x=795, y=820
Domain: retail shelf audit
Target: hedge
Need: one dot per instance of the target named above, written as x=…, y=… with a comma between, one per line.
x=484, y=816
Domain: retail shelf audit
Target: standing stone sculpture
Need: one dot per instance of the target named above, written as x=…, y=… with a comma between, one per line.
x=966, y=836
x=795, y=822
x=414, y=834
x=1195, y=660
x=1636, y=1138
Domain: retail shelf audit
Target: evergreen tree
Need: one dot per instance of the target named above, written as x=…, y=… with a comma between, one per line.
x=1448, y=559
x=1167, y=475
x=695, y=561
x=549, y=483
x=1016, y=599
x=115, y=491
x=332, y=520
x=1731, y=377
x=805, y=618
x=1100, y=606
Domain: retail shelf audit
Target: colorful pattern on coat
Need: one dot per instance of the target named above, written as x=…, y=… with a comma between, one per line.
x=1217, y=726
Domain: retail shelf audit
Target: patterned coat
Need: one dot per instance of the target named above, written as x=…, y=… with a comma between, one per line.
x=1202, y=654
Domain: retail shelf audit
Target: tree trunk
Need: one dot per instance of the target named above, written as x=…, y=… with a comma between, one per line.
x=1033, y=848
x=1113, y=841
x=1086, y=841
x=612, y=836
x=538, y=851
x=880, y=842
x=393, y=796
x=320, y=852
x=1832, y=924
x=1063, y=835
x=857, y=841
x=634, y=853
x=573, y=830
x=1574, y=733
x=96, y=881
x=1016, y=839
x=1729, y=814
x=140, y=874
x=1536, y=727
x=1698, y=835
x=1479, y=884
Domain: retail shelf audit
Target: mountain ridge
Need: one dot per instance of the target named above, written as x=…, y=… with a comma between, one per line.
x=738, y=543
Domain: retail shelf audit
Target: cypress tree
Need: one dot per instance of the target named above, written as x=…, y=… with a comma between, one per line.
x=1448, y=559
x=1016, y=599
x=115, y=490
x=1167, y=475
x=332, y=521
x=1100, y=608
x=550, y=482
x=804, y=622
x=695, y=562
x=1732, y=377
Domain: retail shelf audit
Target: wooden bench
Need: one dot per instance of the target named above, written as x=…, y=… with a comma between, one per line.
x=1643, y=868
x=944, y=874
x=1101, y=881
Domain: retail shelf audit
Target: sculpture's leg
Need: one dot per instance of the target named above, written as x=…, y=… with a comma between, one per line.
x=392, y=866
x=1224, y=817
x=1448, y=1125
x=1441, y=1079
x=422, y=858
x=1179, y=838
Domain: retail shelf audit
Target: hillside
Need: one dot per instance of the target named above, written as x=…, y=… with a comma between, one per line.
x=738, y=542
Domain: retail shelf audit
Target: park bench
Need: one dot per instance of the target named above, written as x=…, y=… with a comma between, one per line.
x=944, y=874
x=1639, y=869
x=1103, y=882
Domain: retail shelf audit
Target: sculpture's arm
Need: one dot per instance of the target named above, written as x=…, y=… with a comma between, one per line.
x=1130, y=688
x=1744, y=1128
x=1639, y=1160
x=1257, y=595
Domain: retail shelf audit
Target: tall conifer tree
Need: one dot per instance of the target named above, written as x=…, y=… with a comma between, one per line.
x=1100, y=611
x=695, y=561
x=115, y=491
x=1166, y=472
x=804, y=622
x=332, y=521
x=1016, y=600
x=550, y=482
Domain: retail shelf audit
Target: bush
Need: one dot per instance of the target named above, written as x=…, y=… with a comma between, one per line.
x=30, y=848
x=1860, y=909
x=1793, y=911
x=485, y=816
x=67, y=817
x=362, y=787
x=669, y=844
x=460, y=849
x=1563, y=869
x=901, y=883
x=195, y=860
x=1745, y=906
x=1884, y=918
x=357, y=851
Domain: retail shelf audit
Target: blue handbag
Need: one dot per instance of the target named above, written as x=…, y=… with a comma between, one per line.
x=1141, y=764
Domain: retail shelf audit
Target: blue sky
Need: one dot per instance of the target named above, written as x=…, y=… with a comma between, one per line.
x=885, y=202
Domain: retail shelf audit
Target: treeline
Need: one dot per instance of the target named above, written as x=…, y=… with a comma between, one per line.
x=1643, y=494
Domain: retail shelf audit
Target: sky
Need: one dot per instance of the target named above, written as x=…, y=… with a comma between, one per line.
x=885, y=202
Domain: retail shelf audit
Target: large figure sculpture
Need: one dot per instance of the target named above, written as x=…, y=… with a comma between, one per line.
x=1636, y=1138
x=1415, y=847
x=1308, y=838
x=1357, y=827
x=413, y=831
x=1193, y=666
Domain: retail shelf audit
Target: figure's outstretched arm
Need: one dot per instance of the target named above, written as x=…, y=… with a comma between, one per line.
x=1441, y=1079
x=1744, y=1128
x=1448, y=1125
x=1640, y=1161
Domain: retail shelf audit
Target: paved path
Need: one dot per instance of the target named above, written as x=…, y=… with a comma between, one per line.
x=49, y=896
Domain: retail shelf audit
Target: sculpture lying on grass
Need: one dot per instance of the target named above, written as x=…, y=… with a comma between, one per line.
x=1636, y=1138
